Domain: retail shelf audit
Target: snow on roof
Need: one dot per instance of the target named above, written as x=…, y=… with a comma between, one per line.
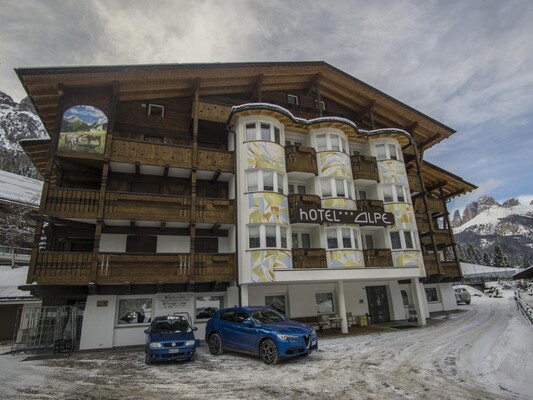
x=19, y=189
x=493, y=215
x=10, y=279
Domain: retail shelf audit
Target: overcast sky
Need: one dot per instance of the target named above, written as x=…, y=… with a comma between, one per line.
x=466, y=63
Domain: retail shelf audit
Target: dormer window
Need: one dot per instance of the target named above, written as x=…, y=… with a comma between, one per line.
x=156, y=110
x=293, y=100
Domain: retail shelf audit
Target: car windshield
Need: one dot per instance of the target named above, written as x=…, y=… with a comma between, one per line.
x=268, y=316
x=171, y=326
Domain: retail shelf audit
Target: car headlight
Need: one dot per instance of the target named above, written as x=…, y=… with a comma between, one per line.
x=313, y=332
x=190, y=343
x=286, y=338
x=155, y=345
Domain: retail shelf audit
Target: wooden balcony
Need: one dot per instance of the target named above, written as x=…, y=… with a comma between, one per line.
x=215, y=159
x=309, y=258
x=436, y=207
x=364, y=167
x=128, y=206
x=450, y=269
x=430, y=264
x=441, y=237
x=75, y=268
x=159, y=154
x=72, y=203
x=215, y=210
x=297, y=201
x=422, y=223
x=301, y=159
x=414, y=183
x=377, y=258
x=370, y=205
x=62, y=268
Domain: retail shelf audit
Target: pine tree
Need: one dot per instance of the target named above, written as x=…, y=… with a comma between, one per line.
x=471, y=254
x=486, y=260
x=526, y=262
x=498, y=258
x=461, y=253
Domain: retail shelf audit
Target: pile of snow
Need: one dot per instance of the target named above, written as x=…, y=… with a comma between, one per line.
x=10, y=279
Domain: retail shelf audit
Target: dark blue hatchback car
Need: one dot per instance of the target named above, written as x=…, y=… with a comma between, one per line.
x=259, y=331
x=170, y=338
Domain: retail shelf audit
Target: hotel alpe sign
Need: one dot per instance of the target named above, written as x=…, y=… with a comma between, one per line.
x=330, y=215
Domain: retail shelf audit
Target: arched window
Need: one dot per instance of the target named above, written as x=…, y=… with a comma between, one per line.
x=405, y=298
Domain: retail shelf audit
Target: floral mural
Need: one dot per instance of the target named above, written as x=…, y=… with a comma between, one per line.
x=265, y=155
x=268, y=207
x=346, y=259
x=393, y=172
x=333, y=163
x=263, y=263
x=83, y=128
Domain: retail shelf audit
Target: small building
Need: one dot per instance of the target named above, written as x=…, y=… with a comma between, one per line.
x=191, y=187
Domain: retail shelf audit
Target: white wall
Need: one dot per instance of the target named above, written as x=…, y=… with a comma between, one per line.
x=98, y=323
x=434, y=306
x=448, y=296
x=173, y=244
x=110, y=243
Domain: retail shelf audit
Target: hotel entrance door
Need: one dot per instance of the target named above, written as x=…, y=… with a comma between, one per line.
x=378, y=304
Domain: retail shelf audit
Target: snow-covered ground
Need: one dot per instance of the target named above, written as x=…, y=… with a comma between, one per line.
x=482, y=351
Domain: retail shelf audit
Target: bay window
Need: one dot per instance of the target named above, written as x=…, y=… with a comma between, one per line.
x=262, y=180
x=267, y=236
x=332, y=142
x=262, y=131
x=387, y=151
x=394, y=194
x=342, y=238
x=336, y=187
x=402, y=240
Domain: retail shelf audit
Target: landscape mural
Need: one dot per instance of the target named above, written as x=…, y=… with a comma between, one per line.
x=83, y=128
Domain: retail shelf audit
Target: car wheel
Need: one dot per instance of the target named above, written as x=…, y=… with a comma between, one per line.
x=147, y=359
x=215, y=344
x=268, y=351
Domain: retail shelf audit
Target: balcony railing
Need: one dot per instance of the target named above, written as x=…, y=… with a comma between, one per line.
x=378, y=257
x=215, y=210
x=430, y=264
x=309, y=258
x=214, y=159
x=436, y=207
x=67, y=203
x=450, y=269
x=364, y=167
x=422, y=223
x=131, y=151
x=441, y=237
x=301, y=159
x=75, y=268
x=414, y=183
x=370, y=205
x=298, y=201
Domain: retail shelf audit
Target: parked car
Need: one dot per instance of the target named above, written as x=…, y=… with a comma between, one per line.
x=260, y=331
x=462, y=296
x=170, y=338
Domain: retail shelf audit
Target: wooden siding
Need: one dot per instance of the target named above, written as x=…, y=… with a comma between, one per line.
x=301, y=159
x=422, y=223
x=215, y=210
x=132, y=151
x=430, y=264
x=70, y=203
x=450, y=269
x=63, y=268
x=364, y=167
x=129, y=206
x=213, y=160
x=414, y=183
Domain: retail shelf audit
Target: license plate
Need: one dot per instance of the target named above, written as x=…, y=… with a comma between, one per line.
x=174, y=350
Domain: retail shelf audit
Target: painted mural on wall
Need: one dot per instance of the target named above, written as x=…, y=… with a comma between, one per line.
x=333, y=163
x=404, y=215
x=408, y=258
x=83, y=129
x=265, y=155
x=346, y=259
x=393, y=171
x=339, y=203
x=268, y=207
x=264, y=262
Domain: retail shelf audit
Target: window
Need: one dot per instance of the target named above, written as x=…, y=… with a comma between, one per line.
x=405, y=298
x=254, y=237
x=368, y=242
x=331, y=141
x=134, y=311
x=394, y=194
x=156, y=110
x=267, y=236
x=346, y=237
x=301, y=240
x=361, y=195
x=206, y=306
x=262, y=131
x=228, y=316
x=321, y=103
x=277, y=302
x=292, y=100
x=324, y=303
x=387, y=151
x=141, y=244
x=297, y=189
x=261, y=180
x=431, y=295
x=336, y=187
x=402, y=240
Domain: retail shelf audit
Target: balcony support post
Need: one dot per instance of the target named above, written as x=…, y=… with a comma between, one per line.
x=419, y=301
x=342, y=306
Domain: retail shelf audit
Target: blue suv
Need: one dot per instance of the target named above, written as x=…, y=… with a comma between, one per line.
x=170, y=338
x=259, y=331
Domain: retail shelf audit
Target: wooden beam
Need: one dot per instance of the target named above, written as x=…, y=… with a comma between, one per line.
x=314, y=83
x=165, y=172
x=215, y=228
x=362, y=113
x=257, y=88
x=428, y=141
x=456, y=193
x=437, y=185
x=137, y=168
x=411, y=127
x=216, y=175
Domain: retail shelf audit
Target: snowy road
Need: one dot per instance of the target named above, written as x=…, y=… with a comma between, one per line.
x=485, y=351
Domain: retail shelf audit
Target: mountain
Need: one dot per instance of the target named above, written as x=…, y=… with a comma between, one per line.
x=485, y=223
x=18, y=121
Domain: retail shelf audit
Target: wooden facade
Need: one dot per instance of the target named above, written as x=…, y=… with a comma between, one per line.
x=167, y=174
